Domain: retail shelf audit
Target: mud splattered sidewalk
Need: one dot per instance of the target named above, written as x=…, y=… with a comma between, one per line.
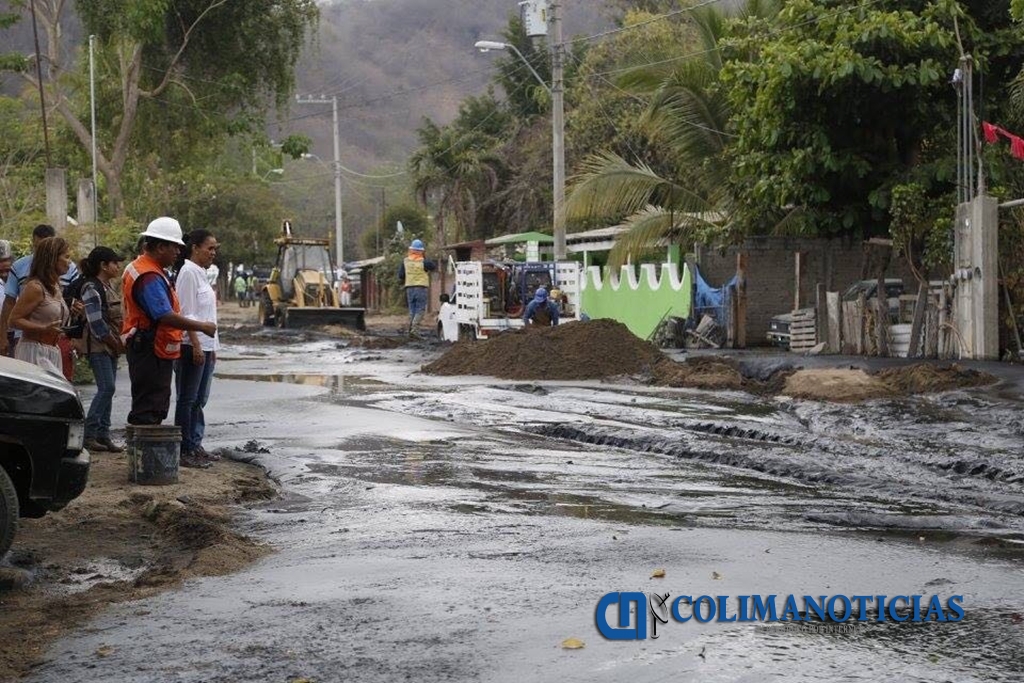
x=119, y=542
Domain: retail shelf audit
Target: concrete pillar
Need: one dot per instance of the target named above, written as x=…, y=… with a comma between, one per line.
x=86, y=202
x=985, y=280
x=56, y=198
x=674, y=254
x=975, y=271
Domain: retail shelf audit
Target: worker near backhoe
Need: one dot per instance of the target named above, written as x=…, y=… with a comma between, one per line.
x=414, y=275
x=541, y=311
x=345, y=291
x=241, y=290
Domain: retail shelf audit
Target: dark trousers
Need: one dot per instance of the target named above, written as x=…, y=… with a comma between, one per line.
x=151, y=384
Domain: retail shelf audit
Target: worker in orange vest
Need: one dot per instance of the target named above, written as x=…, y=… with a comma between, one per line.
x=153, y=323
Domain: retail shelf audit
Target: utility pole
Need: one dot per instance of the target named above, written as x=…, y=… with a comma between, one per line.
x=92, y=116
x=558, y=128
x=39, y=82
x=339, y=242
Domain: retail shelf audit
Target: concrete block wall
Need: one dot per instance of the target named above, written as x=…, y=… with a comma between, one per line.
x=771, y=273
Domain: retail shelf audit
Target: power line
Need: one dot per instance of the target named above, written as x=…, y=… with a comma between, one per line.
x=604, y=112
x=698, y=53
x=660, y=17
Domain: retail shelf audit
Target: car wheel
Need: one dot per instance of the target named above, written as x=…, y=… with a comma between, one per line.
x=8, y=512
x=466, y=333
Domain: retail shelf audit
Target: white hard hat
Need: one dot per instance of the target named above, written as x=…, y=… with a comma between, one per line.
x=166, y=229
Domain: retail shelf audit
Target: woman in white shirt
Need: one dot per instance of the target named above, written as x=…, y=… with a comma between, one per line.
x=194, y=369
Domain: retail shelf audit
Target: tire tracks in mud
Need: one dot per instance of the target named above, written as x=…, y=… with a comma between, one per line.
x=820, y=460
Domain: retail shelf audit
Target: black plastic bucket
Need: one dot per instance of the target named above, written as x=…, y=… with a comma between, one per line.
x=153, y=452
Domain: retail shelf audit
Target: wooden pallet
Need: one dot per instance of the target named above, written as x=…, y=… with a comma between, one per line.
x=803, y=332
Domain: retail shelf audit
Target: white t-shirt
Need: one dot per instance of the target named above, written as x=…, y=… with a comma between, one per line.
x=212, y=273
x=198, y=301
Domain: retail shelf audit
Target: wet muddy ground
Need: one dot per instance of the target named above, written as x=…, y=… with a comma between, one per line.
x=458, y=529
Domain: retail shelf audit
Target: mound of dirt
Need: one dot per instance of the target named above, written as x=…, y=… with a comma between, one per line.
x=925, y=377
x=705, y=372
x=841, y=385
x=574, y=351
x=850, y=385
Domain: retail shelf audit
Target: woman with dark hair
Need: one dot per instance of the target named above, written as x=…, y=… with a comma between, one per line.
x=40, y=311
x=194, y=369
x=100, y=342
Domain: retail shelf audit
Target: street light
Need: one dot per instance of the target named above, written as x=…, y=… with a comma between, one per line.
x=488, y=45
x=557, y=129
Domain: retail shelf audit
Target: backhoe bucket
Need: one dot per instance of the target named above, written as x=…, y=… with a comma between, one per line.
x=354, y=318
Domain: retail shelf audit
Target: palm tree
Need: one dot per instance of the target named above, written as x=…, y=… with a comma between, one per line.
x=688, y=119
x=456, y=170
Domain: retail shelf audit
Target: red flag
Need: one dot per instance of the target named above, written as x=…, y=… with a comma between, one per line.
x=1017, y=147
x=991, y=132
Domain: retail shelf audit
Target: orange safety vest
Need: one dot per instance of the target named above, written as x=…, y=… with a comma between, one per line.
x=167, y=343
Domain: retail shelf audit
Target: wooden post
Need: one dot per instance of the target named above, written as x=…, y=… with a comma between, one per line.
x=741, y=300
x=915, y=328
x=881, y=326
x=862, y=309
x=943, y=331
x=835, y=322
x=796, y=291
x=820, y=308
x=931, y=337
x=730, y=327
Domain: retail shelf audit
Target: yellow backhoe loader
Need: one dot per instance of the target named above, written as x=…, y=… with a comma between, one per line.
x=300, y=291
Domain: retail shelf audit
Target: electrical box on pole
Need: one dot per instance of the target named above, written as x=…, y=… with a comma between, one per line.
x=535, y=16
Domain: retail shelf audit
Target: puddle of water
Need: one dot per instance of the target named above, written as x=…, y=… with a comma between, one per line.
x=101, y=570
x=336, y=383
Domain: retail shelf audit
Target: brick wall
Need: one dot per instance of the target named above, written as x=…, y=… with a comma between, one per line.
x=771, y=272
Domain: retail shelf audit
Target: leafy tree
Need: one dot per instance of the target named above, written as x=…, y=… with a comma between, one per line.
x=687, y=118
x=453, y=170
x=835, y=104
x=526, y=98
x=186, y=73
x=22, y=202
x=414, y=224
x=245, y=216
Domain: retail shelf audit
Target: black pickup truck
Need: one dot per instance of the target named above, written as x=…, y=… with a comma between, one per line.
x=43, y=466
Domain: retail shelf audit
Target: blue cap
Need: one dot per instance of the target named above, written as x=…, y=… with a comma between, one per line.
x=541, y=294
x=417, y=245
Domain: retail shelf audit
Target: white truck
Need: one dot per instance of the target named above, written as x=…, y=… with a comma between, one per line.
x=491, y=297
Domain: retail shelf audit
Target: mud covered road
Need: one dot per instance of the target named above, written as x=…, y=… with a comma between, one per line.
x=455, y=529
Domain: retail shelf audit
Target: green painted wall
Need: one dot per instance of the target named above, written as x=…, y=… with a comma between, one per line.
x=639, y=304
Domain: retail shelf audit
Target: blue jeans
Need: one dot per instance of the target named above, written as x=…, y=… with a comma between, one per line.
x=192, y=383
x=417, y=300
x=97, y=422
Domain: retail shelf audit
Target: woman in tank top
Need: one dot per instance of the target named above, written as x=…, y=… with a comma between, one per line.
x=40, y=311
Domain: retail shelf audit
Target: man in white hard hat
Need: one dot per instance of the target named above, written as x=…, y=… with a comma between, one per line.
x=153, y=324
